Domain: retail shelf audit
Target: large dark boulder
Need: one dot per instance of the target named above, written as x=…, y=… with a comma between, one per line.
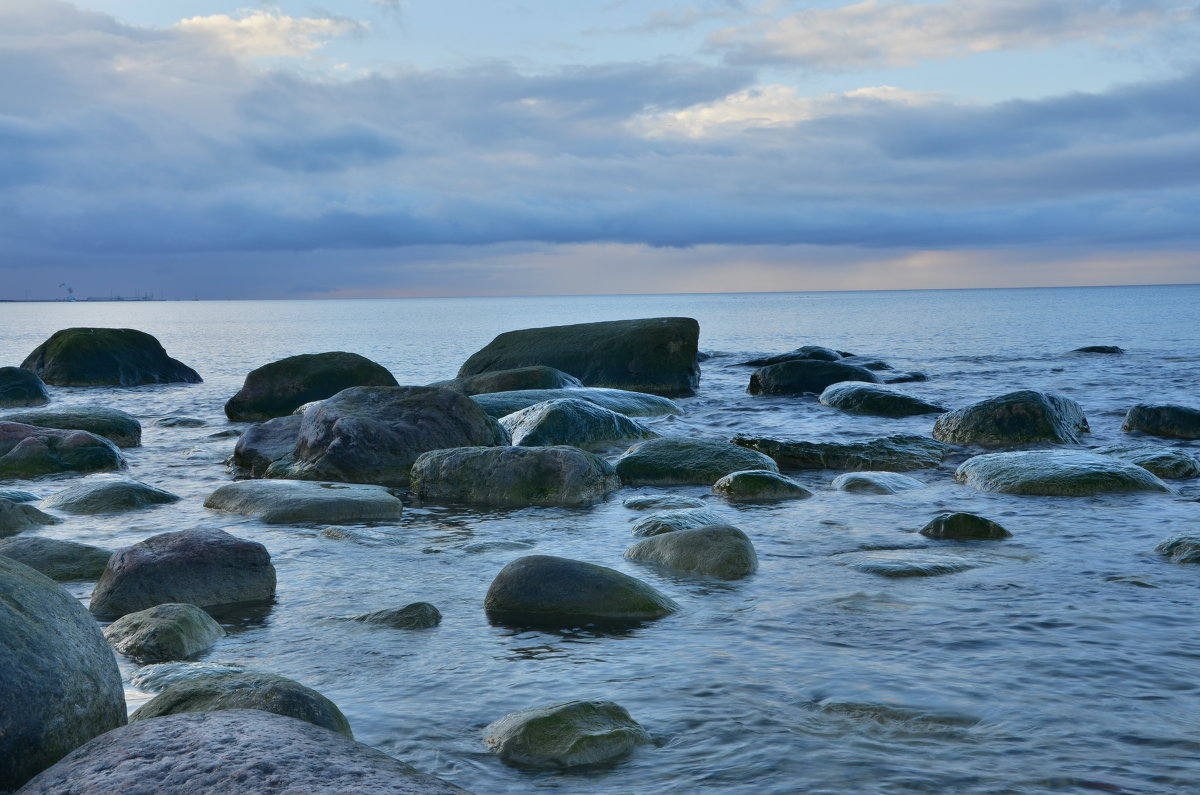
x=232, y=752
x=963, y=527
x=29, y=452
x=655, y=355
x=546, y=591
x=373, y=434
x=566, y=735
x=279, y=388
x=20, y=387
x=118, y=427
x=17, y=517
x=853, y=397
x=164, y=632
x=106, y=357
x=559, y=475
x=716, y=550
x=94, y=497
x=60, y=685
x=580, y=423
x=898, y=453
x=263, y=444
x=304, y=501
x=59, y=560
x=1017, y=418
x=631, y=404
x=1055, y=473
x=536, y=377
x=205, y=567
x=679, y=461
x=805, y=375
x=1164, y=419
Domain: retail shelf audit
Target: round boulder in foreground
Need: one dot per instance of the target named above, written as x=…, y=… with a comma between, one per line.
x=566, y=735
x=106, y=357
x=1055, y=473
x=279, y=388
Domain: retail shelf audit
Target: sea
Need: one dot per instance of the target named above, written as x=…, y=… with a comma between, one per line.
x=1066, y=659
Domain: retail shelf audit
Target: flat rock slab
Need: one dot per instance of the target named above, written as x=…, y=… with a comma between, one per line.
x=680, y=461
x=232, y=752
x=559, y=475
x=875, y=400
x=20, y=387
x=716, y=550
x=95, y=497
x=279, y=388
x=876, y=482
x=106, y=357
x=303, y=501
x=1063, y=473
x=1016, y=418
x=631, y=404
x=120, y=428
x=1164, y=419
x=163, y=632
x=759, y=485
x=575, y=422
x=573, y=734
x=62, y=561
x=898, y=453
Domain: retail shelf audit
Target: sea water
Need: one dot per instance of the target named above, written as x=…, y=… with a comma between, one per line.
x=1066, y=660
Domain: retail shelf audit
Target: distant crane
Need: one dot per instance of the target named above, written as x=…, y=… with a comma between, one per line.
x=70, y=291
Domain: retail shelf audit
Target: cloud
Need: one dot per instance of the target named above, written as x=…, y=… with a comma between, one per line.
x=267, y=34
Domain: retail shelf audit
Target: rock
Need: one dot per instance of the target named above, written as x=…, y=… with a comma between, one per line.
x=63, y=561
x=17, y=517
x=1181, y=549
x=28, y=452
x=566, y=735
x=279, y=388
x=631, y=404
x=906, y=562
x=305, y=501
x=655, y=355
x=180, y=422
x=876, y=482
x=373, y=434
x=673, y=520
x=16, y=495
x=879, y=401
x=418, y=615
x=867, y=362
x=676, y=461
x=648, y=502
x=580, y=423
x=157, y=677
x=19, y=387
x=107, y=496
x=513, y=476
x=805, y=375
x=60, y=685
x=106, y=357
x=1170, y=421
x=536, y=377
x=546, y=591
x=759, y=485
x=963, y=527
x=803, y=353
x=205, y=567
x=229, y=753
x=1098, y=349
x=899, y=453
x=1016, y=418
x=904, y=378
x=120, y=428
x=1166, y=462
x=264, y=444
x=716, y=550
x=164, y=632
x=1065, y=473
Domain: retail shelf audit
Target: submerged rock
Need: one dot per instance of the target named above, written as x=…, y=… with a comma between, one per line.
x=1181, y=549
x=1013, y=419
x=279, y=388
x=106, y=357
x=677, y=460
x=906, y=562
x=418, y=615
x=575, y=422
x=17, y=517
x=107, y=496
x=656, y=502
x=759, y=485
x=566, y=735
x=671, y=521
x=558, y=475
x=805, y=375
x=876, y=400
x=803, y=353
x=118, y=427
x=876, y=482
x=1065, y=473
x=898, y=453
x=1166, y=462
x=630, y=404
x=536, y=377
x=1099, y=349
x=182, y=422
x=29, y=452
x=304, y=501
x=715, y=550
x=963, y=527
x=264, y=444
x=62, y=561
x=164, y=632
x=17, y=495
x=1164, y=419
x=20, y=387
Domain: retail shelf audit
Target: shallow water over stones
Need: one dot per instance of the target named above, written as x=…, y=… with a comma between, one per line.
x=1067, y=655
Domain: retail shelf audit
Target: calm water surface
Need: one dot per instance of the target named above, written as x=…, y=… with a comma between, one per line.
x=1067, y=660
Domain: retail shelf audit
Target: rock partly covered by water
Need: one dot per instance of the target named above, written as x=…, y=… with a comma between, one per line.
x=659, y=502
x=1164, y=419
x=878, y=401
x=876, y=482
x=304, y=501
x=560, y=475
x=59, y=560
x=1099, y=349
x=30, y=452
x=120, y=428
x=655, y=355
x=205, y=567
x=1181, y=549
x=759, y=485
x=17, y=517
x=264, y=444
x=94, y=497
x=803, y=353
x=1017, y=418
x=673, y=520
x=279, y=388
x=60, y=685
x=164, y=632
x=20, y=387
x=547, y=591
x=715, y=550
x=631, y=404
x=963, y=527
x=907, y=562
x=678, y=460
x=805, y=375
x=566, y=735
x=106, y=357
x=536, y=377
x=418, y=615
x=898, y=453
x=1066, y=473
x=1166, y=462
x=231, y=752
x=575, y=422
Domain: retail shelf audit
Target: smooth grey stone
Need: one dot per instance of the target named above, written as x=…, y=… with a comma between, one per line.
x=513, y=476
x=106, y=357
x=759, y=485
x=279, y=388
x=716, y=550
x=875, y=400
x=897, y=453
x=876, y=482
x=1166, y=420
x=631, y=404
x=20, y=387
x=1014, y=419
x=302, y=501
x=535, y=377
x=93, y=497
x=29, y=452
x=566, y=735
x=680, y=461
x=1165, y=462
x=648, y=502
x=120, y=428
x=418, y=615
x=62, y=561
x=17, y=517
x=575, y=422
x=164, y=632
x=805, y=376
x=670, y=521
x=963, y=527
x=1066, y=473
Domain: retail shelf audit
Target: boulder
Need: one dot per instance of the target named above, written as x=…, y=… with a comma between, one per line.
x=304, y=501
x=20, y=387
x=963, y=527
x=418, y=615
x=655, y=355
x=106, y=357
x=631, y=404
x=759, y=485
x=677, y=460
x=547, y=591
x=63, y=561
x=1166, y=420
x=264, y=444
x=876, y=482
x=559, y=475
x=164, y=632
x=231, y=752
x=803, y=353
x=656, y=502
x=1065, y=473
x=716, y=550
x=536, y=377
x=279, y=388
x=673, y=520
x=580, y=423
x=1017, y=418
x=205, y=567
x=60, y=685
x=29, y=452
x=17, y=517
x=878, y=401
x=118, y=427
x=1180, y=549
x=566, y=735
x=181, y=422
x=805, y=375
x=107, y=496
x=373, y=434
x=898, y=453
x=1166, y=462
x=1099, y=349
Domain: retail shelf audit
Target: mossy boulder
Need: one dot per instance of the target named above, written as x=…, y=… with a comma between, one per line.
x=418, y=615
x=759, y=485
x=535, y=377
x=573, y=734
x=171, y=631
x=304, y=501
x=963, y=527
x=59, y=560
x=715, y=550
x=898, y=453
x=20, y=387
x=678, y=460
x=630, y=404
x=279, y=388
x=580, y=423
x=17, y=517
x=1017, y=418
x=120, y=428
x=106, y=357
x=29, y=452
x=94, y=497
x=1172, y=463
x=673, y=520
x=875, y=400
x=876, y=482
x=805, y=376
x=1065, y=473
x=1163, y=419
x=559, y=475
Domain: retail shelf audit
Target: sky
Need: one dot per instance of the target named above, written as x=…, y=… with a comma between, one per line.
x=397, y=148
